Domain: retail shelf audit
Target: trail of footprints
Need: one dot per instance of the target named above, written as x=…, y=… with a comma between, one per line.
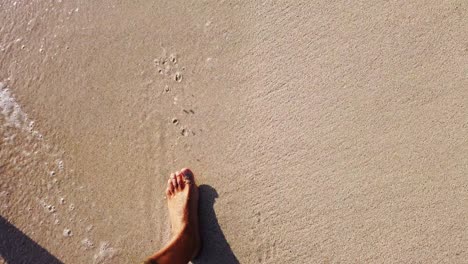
x=168, y=66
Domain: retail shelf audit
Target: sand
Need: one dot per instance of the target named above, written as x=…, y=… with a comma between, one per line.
x=319, y=131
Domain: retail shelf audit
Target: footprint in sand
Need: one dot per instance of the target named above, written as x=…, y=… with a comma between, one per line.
x=184, y=131
x=169, y=67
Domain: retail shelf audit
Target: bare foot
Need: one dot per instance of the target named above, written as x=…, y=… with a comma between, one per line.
x=182, y=201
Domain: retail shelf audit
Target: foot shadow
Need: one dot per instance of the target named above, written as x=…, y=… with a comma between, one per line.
x=17, y=248
x=215, y=248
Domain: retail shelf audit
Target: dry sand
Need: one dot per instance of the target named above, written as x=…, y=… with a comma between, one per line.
x=320, y=131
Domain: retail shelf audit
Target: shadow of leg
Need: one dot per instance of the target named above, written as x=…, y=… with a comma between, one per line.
x=215, y=248
x=18, y=248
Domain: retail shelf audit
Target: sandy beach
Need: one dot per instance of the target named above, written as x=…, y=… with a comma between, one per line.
x=318, y=131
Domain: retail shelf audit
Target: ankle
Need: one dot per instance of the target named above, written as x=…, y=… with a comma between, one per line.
x=183, y=247
x=180, y=229
x=190, y=237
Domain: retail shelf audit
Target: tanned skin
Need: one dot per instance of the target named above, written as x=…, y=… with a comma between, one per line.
x=182, y=202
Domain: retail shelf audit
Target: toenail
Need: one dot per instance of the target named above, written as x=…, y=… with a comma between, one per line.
x=187, y=181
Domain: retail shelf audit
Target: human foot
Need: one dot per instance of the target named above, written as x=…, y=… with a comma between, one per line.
x=182, y=201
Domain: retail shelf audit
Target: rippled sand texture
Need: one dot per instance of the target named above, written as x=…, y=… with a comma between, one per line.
x=321, y=131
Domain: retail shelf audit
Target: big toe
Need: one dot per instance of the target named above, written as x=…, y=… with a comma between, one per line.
x=188, y=176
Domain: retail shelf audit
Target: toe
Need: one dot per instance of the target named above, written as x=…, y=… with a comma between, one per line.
x=168, y=192
x=170, y=187
x=188, y=176
x=174, y=182
x=180, y=181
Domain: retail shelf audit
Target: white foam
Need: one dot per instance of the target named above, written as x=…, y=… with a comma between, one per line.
x=12, y=112
x=87, y=243
x=105, y=252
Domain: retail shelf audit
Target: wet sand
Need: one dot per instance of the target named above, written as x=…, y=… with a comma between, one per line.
x=319, y=132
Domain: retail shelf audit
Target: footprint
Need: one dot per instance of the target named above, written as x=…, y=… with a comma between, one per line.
x=190, y=111
x=178, y=77
x=168, y=66
x=184, y=132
